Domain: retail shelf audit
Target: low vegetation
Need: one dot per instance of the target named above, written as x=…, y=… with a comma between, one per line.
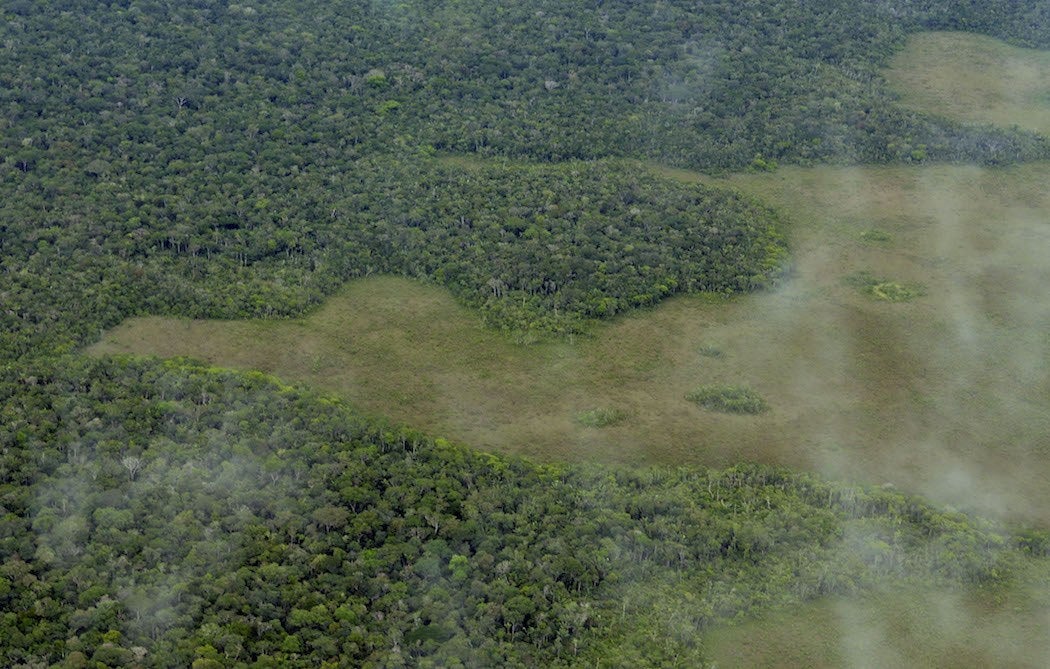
x=920, y=626
x=711, y=351
x=876, y=236
x=728, y=399
x=884, y=289
x=974, y=79
x=602, y=417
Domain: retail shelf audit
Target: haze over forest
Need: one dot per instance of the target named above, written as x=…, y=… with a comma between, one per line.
x=588, y=333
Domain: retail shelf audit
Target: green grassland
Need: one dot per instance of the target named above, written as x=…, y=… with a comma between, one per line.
x=974, y=79
x=921, y=627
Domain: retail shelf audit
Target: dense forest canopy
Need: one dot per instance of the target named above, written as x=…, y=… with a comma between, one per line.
x=217, y=159
x=195, y=158
x=184, y=514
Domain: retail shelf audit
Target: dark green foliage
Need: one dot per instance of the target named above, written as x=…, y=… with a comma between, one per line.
x=289, y=88
x=271, y=522
x=728, y=399
x=214, y=159
x=539, y=247
x=534, y=247
x=231, y=160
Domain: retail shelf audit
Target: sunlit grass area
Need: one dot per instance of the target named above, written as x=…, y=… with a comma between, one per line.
x=919, y=627
x=975, y=79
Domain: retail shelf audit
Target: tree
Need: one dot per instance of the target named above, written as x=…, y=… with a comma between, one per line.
x=132, y=464
x=331, y=517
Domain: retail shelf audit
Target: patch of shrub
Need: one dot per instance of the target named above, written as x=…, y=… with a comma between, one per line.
x=876, y=236
x=884, y=289
x=601, y=417
x=728, y=399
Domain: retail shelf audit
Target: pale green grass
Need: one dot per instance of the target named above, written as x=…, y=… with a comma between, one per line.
x=919, y=627
x=956, y=385
x=974, y=79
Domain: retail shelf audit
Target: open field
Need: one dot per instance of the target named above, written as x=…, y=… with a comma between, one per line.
x=974, y=79
x=899, y=627
x=946, y=394
x=896, y=628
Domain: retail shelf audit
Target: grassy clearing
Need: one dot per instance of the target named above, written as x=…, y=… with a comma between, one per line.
x=948, y=395
x=974, y=79
x=919, y=627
